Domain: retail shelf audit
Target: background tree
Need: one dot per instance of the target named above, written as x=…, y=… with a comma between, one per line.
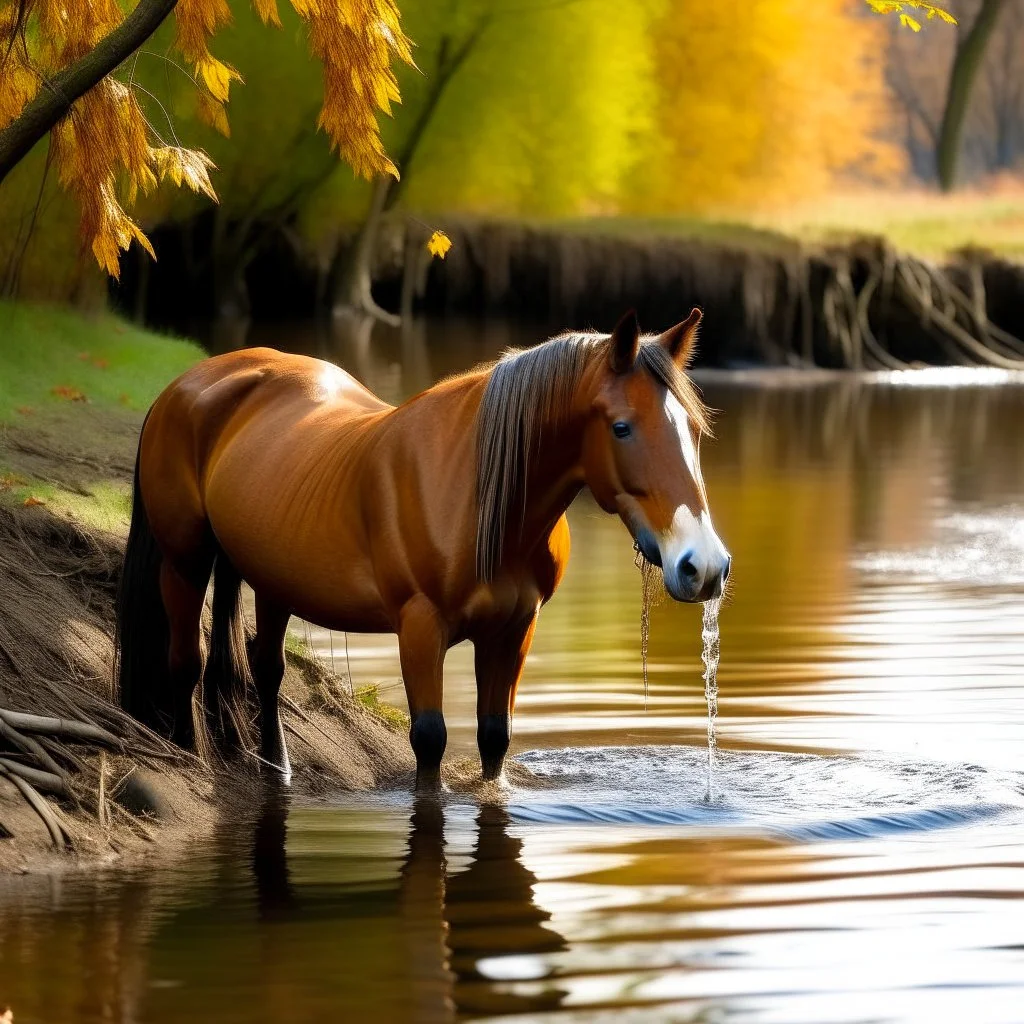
x=970, y=52
x=759, y=103
x=957, y=125
x=524, y=108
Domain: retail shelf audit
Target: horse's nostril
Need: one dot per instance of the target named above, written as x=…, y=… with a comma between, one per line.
x=686, y=567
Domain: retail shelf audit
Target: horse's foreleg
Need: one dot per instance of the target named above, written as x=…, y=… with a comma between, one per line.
x=268, y=671
x=183, y=590
x=422, y=643
x=499, y=665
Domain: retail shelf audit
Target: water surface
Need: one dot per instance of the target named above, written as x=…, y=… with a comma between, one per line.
x=862, y=857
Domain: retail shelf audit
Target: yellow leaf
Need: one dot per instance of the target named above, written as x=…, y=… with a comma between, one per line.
x=218, y=77
x=438, y=244
x=33, y=500
x=909, y=22
x=211, y=112
x=185, y=166
x=267, y=11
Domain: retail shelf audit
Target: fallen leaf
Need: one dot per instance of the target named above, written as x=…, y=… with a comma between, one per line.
x=9, y=480
x=84, y=356
x=32, y=500
x=24, y=410
x=68, y=393
x=438, y=244
x=100, y=364
x=124, y=398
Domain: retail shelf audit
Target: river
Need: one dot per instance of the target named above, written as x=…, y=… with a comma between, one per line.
x=862, y=858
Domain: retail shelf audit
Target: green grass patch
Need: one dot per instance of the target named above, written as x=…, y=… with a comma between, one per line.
x=922, y=222
x=51, y=357
x=58, y=369
x=369, y=697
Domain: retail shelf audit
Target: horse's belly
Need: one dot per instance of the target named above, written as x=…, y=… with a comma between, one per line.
x=327, y=588
x=294, y=548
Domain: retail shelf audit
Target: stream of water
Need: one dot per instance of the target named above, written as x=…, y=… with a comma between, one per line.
x=710, y=653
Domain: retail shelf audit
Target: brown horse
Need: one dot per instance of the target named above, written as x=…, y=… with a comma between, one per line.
x=440, y=520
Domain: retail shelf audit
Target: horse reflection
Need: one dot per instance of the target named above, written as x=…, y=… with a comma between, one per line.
x=275, y=897
x=451, y=923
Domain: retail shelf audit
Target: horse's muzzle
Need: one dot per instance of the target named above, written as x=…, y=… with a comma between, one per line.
x=693, y=578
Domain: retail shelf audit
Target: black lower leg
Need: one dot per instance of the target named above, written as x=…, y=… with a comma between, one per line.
x=183, y=730
x=428, y=737
x=492, y=737
x=272, y=744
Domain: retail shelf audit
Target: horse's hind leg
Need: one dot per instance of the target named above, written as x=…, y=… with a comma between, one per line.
x=183, y=590
x=499, y=665
x=268, y=671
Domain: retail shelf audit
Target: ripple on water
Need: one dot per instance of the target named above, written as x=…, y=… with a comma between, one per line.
x=800, y=796
x=982, y=548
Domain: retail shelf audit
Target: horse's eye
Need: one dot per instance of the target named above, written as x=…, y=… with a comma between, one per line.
x=621, y=429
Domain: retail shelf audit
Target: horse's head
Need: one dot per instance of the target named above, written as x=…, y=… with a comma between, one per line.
x=641, y=456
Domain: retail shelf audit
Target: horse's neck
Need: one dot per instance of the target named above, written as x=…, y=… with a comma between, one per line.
x=553, y=478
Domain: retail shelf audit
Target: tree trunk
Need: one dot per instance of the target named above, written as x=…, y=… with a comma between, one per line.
x=353, y=277
x=56, y=96
x=969, y=54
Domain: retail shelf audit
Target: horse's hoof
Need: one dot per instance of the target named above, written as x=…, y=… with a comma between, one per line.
x=428, y=783
x=497, y=780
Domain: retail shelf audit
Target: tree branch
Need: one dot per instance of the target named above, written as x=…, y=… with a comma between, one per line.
x=448, y=65
x=55, y=98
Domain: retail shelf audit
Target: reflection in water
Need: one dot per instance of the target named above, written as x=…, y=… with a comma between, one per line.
x=876, y=610
x=275, y=897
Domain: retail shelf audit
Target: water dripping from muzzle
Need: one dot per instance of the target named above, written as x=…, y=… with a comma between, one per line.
x=711, y=649
x=652, y=585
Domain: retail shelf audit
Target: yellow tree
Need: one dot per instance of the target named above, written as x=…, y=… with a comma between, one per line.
x=761, y=101
x=67, y=71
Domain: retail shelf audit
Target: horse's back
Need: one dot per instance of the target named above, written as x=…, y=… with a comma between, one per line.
x=280, y=378
x=239, y=432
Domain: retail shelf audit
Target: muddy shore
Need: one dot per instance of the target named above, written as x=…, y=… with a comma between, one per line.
x=58, y=578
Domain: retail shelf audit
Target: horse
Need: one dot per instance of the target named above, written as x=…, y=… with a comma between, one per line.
x=440, y=520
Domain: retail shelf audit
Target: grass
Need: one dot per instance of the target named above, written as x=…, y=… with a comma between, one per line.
x=922, y=222
x=369, y=697
x=51, y=357
x=69, y=378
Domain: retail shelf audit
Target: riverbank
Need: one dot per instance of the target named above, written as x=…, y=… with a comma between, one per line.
x=859, y=293
x=73, y=392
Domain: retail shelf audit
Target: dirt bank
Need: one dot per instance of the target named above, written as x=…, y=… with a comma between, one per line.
x=119, y=791
x=768, y=297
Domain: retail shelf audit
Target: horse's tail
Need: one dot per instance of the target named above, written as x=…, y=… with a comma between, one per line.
x=227, y=679
x=142, y=637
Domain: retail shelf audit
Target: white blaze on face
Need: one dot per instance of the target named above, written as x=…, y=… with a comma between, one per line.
x=690, y=535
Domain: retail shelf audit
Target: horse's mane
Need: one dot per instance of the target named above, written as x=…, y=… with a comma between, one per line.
x=526, y=389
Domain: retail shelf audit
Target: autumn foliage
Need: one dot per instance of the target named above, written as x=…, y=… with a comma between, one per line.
x=107, y=152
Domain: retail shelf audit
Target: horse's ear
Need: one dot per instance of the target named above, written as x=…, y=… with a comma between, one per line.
x=679, y=340
x=624, y=343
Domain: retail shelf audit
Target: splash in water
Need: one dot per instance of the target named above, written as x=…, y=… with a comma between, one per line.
x=709, y=655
